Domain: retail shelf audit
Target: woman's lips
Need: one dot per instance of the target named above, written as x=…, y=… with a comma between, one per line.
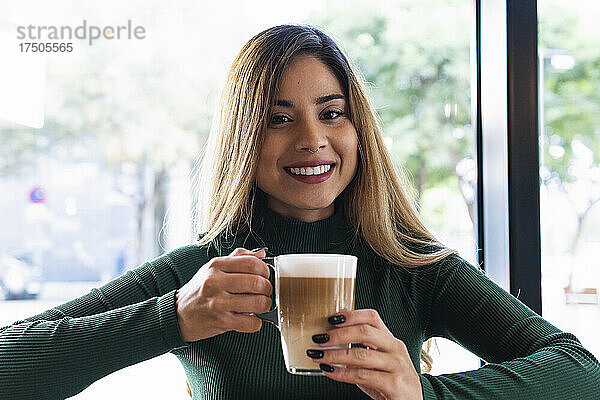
x=312, y=178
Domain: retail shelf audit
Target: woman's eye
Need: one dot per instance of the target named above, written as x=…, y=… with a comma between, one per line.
x=332, y=114
x=279, y=119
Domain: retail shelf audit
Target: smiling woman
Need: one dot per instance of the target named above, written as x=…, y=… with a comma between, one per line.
x=294, y=95
x=293, y=100
x=309, y=121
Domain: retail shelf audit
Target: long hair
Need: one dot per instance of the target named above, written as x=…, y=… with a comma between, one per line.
x=378, y=192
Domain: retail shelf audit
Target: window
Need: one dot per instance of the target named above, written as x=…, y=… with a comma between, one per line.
x=569, y=166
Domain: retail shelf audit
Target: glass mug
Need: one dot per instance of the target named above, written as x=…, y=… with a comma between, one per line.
x=308, y=289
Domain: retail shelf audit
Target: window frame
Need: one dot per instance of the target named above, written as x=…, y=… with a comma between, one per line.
x=507, y=151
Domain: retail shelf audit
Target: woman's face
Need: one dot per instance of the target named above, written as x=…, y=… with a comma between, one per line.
x=311, y=113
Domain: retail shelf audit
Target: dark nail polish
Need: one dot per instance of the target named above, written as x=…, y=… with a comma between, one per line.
x=326, y=367
x=314, y=353
x=337, y=319
x=323, y=338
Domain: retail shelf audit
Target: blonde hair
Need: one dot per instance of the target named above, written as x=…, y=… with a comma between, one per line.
x=377, y=192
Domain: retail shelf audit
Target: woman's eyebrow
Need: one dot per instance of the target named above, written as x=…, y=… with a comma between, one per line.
x=329, y=97
x=320, y=100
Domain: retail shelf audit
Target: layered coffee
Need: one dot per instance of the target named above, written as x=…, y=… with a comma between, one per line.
x=310, y=290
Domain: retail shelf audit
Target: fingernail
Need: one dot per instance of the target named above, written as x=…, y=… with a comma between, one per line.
x=323, y=338
x=259, y=249
x=337, y=319
x=314, y=353
x=326, y=367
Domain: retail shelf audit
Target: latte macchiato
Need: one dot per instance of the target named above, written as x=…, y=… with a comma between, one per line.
x=309, y=289
x=304, y=306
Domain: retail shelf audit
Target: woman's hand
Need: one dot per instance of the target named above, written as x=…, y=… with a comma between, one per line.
x=224, y=295
x=383, y=370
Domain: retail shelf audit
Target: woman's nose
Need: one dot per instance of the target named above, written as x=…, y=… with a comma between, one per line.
x=311, y=137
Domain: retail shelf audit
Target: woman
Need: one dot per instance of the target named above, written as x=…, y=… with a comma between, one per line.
x=291, y=101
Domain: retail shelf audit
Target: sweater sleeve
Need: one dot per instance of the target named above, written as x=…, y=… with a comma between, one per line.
x=527, y=357
x=63, y=350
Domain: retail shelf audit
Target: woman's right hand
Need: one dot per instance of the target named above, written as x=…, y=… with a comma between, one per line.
x=224, y=295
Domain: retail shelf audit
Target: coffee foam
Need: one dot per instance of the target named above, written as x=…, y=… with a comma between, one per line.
x=316, y=265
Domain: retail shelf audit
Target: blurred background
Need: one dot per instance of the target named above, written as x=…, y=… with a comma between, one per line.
x=96, y=154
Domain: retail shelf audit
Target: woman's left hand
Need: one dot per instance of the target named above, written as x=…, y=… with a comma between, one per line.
x=383, y=370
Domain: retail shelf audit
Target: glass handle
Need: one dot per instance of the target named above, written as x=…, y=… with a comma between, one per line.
x=271, y=315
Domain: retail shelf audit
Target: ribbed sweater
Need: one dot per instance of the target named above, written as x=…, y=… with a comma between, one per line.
x=61, y=351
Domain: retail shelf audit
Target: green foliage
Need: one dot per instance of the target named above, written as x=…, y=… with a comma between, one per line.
x=571, y=97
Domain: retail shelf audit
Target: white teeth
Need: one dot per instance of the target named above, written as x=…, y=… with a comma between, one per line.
x=311, y=170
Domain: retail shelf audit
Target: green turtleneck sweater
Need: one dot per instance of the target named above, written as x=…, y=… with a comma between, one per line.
x=60, y=352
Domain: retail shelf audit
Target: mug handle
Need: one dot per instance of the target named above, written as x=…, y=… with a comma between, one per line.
x=271, y=315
